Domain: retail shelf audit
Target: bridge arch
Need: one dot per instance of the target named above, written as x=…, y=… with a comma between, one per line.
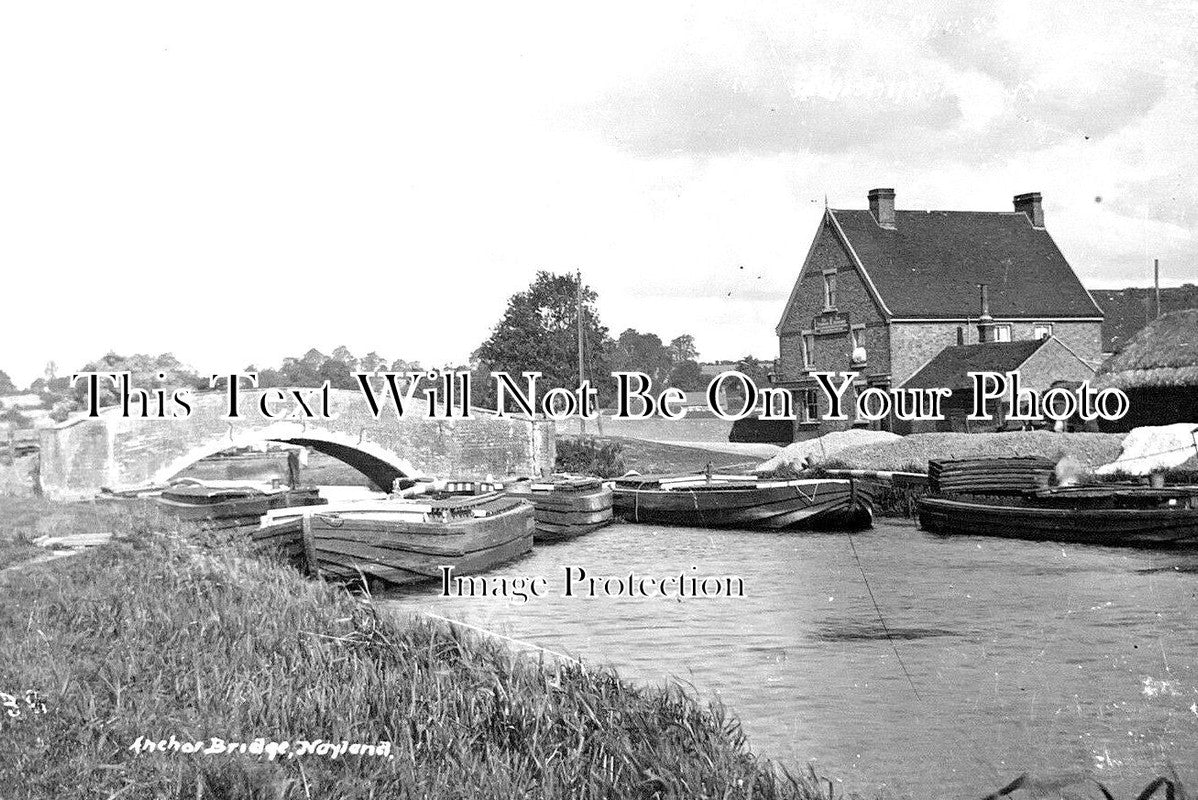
x=371, y=459
x=84, y=454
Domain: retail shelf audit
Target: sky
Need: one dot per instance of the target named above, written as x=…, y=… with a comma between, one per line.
x=238, y=182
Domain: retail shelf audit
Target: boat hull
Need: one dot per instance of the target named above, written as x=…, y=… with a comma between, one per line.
x=567, y=514
x=364, y=548
x=1136, y=527
x=233, y=512
x=810, y=505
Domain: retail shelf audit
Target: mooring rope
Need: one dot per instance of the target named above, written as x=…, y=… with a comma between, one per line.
x=885, y=627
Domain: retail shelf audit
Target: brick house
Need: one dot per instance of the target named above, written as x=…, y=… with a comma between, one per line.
x=882, y=292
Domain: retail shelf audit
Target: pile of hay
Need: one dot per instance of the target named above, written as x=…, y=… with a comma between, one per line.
x=826, y=447
x=914, y=451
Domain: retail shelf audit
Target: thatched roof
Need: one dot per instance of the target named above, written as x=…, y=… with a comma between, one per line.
x=1163, y=354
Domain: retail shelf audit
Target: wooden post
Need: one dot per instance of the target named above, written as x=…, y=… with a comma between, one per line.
x=12, y=447
x=309, y=546
x=293, y=468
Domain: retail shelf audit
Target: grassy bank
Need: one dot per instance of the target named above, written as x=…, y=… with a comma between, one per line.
x=649, y=458
x=169, y=632
x=25, y=519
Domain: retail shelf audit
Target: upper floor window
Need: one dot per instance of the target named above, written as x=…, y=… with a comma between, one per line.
x=829, y=290
x=807, y=343
x=1002, y=333
x=1042, y=330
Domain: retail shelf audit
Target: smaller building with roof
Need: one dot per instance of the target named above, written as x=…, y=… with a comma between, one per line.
x=1041, y=364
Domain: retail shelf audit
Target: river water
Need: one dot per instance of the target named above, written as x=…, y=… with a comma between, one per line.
x=1002, y=656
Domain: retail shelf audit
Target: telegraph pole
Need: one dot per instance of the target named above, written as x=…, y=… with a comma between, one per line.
x=1156, y=278
x=582, y=423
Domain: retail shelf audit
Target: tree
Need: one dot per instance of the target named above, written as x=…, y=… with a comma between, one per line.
x=539, y=333
x=6, y=384
x=144, y=370
x=688, y=376
x=372, y=361
x=755, y=369
x=347, y=358
x=642, y=352
x=682, y=348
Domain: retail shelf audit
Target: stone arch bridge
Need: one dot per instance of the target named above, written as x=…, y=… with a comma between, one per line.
x=83, y=455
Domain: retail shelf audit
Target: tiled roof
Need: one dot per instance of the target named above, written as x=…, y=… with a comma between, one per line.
x=930, y=264
x=950, y=367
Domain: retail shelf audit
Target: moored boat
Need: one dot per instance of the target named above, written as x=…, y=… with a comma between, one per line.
x=403, y=540
x=1111, y=515
x=565, y=507
x=227, y=505
x=744, y=501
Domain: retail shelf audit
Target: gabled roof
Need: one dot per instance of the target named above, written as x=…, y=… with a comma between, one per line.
x=929, y=265
x=950, y=367
x=1163, y=354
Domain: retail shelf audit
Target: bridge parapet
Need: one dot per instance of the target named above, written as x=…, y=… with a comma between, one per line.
x=85, y=454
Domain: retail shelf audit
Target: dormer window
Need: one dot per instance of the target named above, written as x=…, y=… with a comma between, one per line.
x=1042, y=330
x=830, y=291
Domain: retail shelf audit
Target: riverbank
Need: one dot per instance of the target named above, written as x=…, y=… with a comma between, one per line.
x=168, y=632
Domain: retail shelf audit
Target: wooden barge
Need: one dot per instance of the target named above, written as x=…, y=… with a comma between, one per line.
x=744, y=501
x=223, y=507
x=403, y=540
x=566, y=507
x=1114, y=515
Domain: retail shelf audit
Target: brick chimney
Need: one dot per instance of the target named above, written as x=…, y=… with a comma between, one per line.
x=881, y=205
x=985, y=321
x=1030, y=204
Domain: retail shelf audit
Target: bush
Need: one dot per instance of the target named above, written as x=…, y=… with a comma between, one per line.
x=587, y=457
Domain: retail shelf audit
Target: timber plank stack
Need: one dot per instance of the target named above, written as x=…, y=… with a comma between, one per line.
x=989, y=475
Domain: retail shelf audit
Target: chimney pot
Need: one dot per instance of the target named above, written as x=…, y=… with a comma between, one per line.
x=1030, y=205
x=881, y=205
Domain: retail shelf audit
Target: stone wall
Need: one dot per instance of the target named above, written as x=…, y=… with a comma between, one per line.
x=83, y=455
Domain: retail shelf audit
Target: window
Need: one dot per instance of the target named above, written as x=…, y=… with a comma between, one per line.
x=1002, y=333
x=1042, y=330
x=808, y=406
x=829, y=291
x=808, y=345
x=855, y=336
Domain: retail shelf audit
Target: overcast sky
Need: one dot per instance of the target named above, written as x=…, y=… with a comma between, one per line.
x=236, y=182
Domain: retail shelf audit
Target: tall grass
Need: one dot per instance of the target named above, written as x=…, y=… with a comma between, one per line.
x=25, y=519
x=168, y=631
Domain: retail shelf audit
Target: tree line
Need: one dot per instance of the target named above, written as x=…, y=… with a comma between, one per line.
x=537, y=332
